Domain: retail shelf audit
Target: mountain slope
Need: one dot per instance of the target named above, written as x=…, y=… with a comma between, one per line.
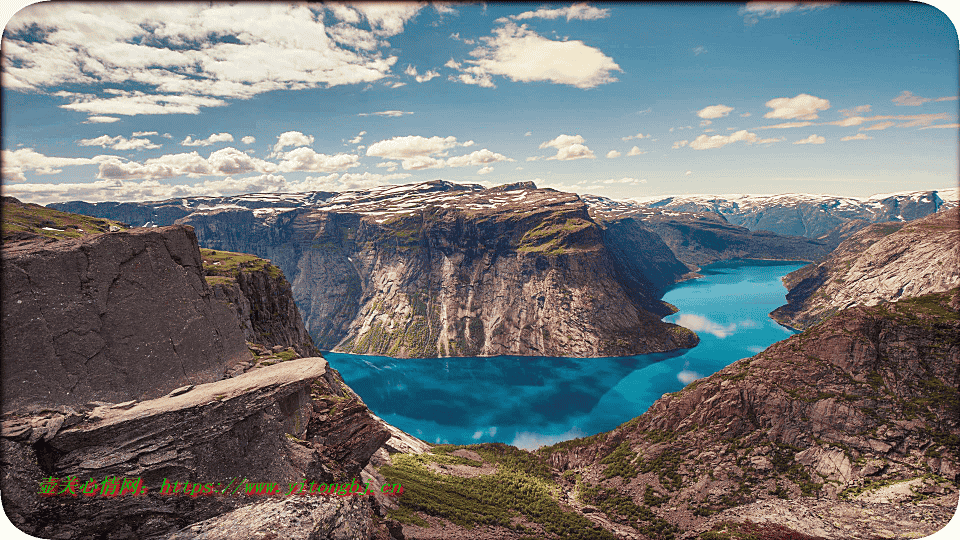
x=881, y=263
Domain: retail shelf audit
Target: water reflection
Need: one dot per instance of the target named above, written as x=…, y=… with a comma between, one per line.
x=529, y=401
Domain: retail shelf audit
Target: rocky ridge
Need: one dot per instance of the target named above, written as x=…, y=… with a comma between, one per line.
x=881, y=263
x=441, y=269
x=849, y=430
x=809, y=215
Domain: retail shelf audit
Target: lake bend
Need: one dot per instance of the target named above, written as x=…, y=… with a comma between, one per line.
x=529, y=401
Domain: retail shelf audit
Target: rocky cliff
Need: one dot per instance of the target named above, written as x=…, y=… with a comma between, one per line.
x=849, y=430
x=440, y=269
x=129, y=408
x=261, y=297
x=701, y=238
x=112, y=317
x=881, y=263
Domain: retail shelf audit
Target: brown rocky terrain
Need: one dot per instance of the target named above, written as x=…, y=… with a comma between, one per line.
x=262, y=417
x=881, y=263
x=112, y=317
x=440, y=269
x=848, y=430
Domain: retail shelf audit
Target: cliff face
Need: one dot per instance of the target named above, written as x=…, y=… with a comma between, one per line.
x=261, y=297
x=864, y=408
x=440, y=269
x=701, y=238
x=112, y=317
x=881, y=263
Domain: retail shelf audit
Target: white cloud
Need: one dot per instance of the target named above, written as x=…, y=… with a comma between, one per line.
x=119, y=142
x=637, y=136
x=101, y=120
x=613, y=154
x=848, y=121
x=770, y=140
x=699, y=323
x=785, y=125
x=212, y=139
x=907, y=98
x=410, y=146
x=16, y=162
x=358, y=138
x=531, y=441
x=803, y=107
x=523, y=55
x=248, y=140
x=581, y=11
x=857, y=137
x=479, y=157
x=636, y=151
x=855, y=111
x=164, y=48
x=679, y=144
x=812, y=139
x=941, y=126
x=292, y=138
x=485, y=170
x=412, y=71
x=569, y=147
x=714, y=111
x=144, y=133
x=389, y=165
x=624, y=181
x=716, y=141
x=527, y=134
x=752, y=12
x=386, y=113
x=878, y=126
x=697, y=51
x=306, y=159
x=688, y=173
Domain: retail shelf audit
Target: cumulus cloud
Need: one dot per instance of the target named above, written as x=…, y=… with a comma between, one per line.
x=292, y=138
x=479, y=157
x=212, y=139
x=101, y=120
x=637, y=136
x=581, y=11
x=358, y=138
x=306, y=159
x=855, y=111
x=569, y=147
x=144, y=133
x=857, y=137
x=803, y=107
x=164, y=48
x=699, y=323
x=412, y=71
x=16, y=162
x=848, y=121
x=679, y=144
x=410, y=146
x=119, y=142
x=613, y=154
x=248, y=140
x=714, y=111
x=636, y=151
x=520, y=54
x=485, y=170
x=812, y=139
x=907, y=98
x=716, y=141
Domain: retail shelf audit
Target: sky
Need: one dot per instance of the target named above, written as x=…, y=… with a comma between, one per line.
x=148, y=101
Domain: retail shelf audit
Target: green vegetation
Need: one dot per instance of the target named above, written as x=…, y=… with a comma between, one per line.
x=620, y=463
x=551, y=237
x=31, y=219
x=622, y=509
x=229, y=264
x=520, y=486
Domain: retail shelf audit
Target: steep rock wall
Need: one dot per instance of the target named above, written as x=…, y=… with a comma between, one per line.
x=112, y=317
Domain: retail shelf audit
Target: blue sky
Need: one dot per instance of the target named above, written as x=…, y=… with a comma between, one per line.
x=148, y=101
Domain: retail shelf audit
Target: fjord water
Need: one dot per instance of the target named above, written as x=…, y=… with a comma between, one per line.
x=531, y=401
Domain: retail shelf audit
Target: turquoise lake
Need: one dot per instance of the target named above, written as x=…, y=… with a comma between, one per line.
x=531, y=401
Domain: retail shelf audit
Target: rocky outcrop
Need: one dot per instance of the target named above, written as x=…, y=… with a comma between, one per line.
x=881, y=263
x=440, y=269
x=111, y=317
x=250, y=428
x=867, y=400
x=261, y=297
